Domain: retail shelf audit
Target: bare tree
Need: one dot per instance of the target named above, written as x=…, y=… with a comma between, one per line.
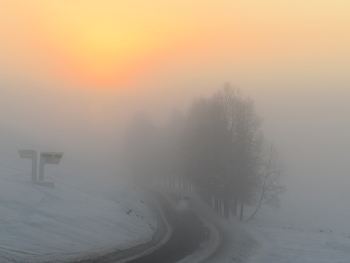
x=223, y=143
x=247, y=145
x=269, y=188
x=217, y=147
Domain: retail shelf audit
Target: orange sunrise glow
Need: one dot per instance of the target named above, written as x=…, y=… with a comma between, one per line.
x=110, y=43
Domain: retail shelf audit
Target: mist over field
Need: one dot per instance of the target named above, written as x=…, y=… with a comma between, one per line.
x=310, y=129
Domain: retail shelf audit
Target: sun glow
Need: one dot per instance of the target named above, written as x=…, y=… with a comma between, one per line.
x=90, y=49
x=107, y=43
x=98, y=56
x=112, y=44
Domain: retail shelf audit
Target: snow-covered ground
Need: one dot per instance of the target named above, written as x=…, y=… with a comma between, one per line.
x=89, y=213
x=311, y=226
x=86, y=214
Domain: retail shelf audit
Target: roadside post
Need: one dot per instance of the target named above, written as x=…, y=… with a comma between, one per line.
x=48, y=158
x=45, y=158
x=30, y=154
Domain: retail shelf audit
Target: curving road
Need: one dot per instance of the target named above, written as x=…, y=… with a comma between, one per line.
x=188, y=234
x=183, y=234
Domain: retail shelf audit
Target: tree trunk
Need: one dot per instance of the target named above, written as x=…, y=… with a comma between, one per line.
x=241, y=212
x=235, y=206
x=256, y=210
x=216, y=205
x=226, y=207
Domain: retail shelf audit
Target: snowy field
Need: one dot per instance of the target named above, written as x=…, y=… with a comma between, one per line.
x=311, y=226
x=85, y=214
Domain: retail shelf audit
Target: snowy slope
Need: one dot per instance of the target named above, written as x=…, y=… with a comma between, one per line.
x=307, y=228
x=85, y=214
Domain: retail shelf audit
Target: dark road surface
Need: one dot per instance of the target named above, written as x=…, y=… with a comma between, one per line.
x=188, y=233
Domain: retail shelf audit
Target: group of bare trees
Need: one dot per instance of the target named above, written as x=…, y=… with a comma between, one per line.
x=217, y=149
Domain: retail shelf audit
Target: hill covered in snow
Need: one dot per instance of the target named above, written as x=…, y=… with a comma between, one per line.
x=86, y=214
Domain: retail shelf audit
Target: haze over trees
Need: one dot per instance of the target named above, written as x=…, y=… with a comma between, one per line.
x=216, y=148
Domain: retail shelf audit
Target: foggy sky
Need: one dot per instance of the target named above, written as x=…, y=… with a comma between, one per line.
x=292, y=59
